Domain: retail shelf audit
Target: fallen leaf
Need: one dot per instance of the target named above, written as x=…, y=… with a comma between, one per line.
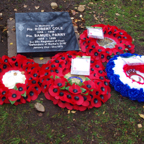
x=81, y=8
x=90, y=3
x=73, y=111
x=41, y=58
x=117, y=14
x=73, y=12
x=104, y=112
x=10, y=19
x=36, y=7
x=5, y=29
x=141, y=115
x=25, y=6
x=76, y=20
x=41, y=99
x=11, y=43
x=40, y=114
x=95, y=17
x=139, y=125
x=68, y=111
x=102, y=19
x=15, y=10
x=42, y=10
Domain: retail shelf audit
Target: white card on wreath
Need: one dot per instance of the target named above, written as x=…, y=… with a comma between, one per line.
x=95, y=32
x=80, y=66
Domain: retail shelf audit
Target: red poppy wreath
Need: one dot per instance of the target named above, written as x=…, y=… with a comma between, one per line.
x=116, y=41
x=74, y=91
x=19, y=80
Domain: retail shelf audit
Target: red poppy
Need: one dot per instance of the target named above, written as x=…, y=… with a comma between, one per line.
x=13, y=95
x=32, y=93
x=75, y=89
x=53, y=90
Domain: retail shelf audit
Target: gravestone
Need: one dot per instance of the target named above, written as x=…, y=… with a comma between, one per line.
x=44, y=34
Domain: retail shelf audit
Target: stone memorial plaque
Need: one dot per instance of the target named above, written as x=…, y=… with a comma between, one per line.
x=44, y=34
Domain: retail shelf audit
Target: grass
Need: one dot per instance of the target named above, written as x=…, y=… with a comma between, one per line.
x=115, y=122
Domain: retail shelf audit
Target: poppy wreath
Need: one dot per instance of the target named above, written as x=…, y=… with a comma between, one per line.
x=88, y=92
x=19, y=80
x=126, y=74
x=103, y=50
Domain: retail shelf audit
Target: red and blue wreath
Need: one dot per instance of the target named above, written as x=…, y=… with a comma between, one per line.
x=122, y=40
x=88, y=93
x=17, y=92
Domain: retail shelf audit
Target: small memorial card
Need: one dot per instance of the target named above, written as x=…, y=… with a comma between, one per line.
x=81, y=66
x=95, y=32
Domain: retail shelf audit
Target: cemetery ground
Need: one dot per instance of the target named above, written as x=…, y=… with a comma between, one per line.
x=117, y=121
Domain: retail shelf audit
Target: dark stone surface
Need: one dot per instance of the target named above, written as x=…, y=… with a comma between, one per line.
x=44, y=34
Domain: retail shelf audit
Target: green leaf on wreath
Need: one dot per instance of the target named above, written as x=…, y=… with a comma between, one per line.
x=15, y=88
x=63, y=88
x=12, y=102
x=83, y=90
x=24, y=95
x=91, y=89
x=85, y=94
x=67, y=88
x=87, y=79
x=80, y=84
x=51, y=76
x=112, y=55
x=56, y=77
x=70, y=81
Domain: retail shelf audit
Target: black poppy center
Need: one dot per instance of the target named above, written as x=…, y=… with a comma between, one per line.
x=76, y=98
x=35, y=75
x=95, y=100
x=47, y=68
x=89, y=86
x=20, y=88
x=105, y=83
x=62, y=58
x=33, y=82
x=59, y=84
x=46, y=74
x=4, y=92
x=55, y=90
x=31, y=93
x=97, y=66
x=101, y=96
x=6, y=60
x=102, y=88
x=52, y=66
x=96, y=54
x=3, y=98
x=61, y=93
x=69, y=96
x=85, y=98
x=57, y=61
x=14, y=95
x=75, y=90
